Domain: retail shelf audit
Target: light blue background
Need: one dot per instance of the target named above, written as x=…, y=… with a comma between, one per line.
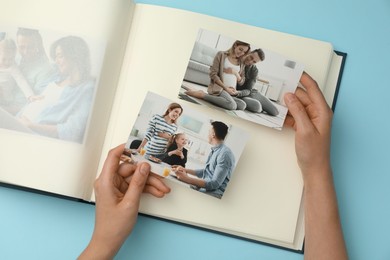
x=33, y=226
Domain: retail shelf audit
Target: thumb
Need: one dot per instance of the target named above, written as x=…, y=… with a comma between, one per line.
x=297, y=111
x=137, y=184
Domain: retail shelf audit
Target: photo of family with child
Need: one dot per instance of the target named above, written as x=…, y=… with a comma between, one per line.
x=45, y=96
x=184, y=145
x=240, y=79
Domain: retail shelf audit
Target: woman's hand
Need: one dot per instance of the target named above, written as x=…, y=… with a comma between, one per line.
x=118, y=190
x=35, y=98
x=164, y=135
x=25, y=121
x=311, y=117
x=228, y=70
x=232, y=91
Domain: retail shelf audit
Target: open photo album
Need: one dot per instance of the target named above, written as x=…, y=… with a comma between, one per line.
x=197, y=97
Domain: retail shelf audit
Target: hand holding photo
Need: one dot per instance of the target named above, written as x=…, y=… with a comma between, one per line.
x=186, y=146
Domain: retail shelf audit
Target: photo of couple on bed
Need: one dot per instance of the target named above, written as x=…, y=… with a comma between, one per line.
x=185, y=145
x=45, y=96
x=239, y=78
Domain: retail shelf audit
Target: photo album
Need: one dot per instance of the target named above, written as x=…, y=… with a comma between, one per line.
x=197, y=97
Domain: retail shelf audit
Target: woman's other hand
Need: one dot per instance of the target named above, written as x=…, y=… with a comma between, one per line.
x=118, y=190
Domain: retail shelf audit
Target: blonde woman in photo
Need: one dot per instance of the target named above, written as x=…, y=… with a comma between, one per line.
x=226, y=73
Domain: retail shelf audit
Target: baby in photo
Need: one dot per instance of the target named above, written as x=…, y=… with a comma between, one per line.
x=14, y=89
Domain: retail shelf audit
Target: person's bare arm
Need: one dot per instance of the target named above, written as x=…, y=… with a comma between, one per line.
x=142, y=145
x=118, y=190
x=311, y=118
x=182, y=174
x=48, y=130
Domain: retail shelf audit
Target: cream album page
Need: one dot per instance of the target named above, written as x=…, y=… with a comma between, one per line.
x=263, y=199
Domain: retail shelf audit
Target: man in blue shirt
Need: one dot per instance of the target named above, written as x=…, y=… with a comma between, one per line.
x=214, y=178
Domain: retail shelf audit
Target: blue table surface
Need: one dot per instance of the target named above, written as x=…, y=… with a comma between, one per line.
x=34, y=226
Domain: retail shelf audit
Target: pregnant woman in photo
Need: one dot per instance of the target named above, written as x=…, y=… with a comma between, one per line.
x=225, y=73
x=160, y=131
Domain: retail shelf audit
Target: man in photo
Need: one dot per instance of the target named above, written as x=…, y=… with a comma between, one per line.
x=214, y=177
x=246, y=89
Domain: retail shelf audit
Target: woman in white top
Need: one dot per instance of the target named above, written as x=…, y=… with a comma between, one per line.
x=231, y=69
x=226, y=72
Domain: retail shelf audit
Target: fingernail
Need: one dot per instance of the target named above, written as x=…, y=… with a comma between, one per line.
x=144, y=169
x=289, y=97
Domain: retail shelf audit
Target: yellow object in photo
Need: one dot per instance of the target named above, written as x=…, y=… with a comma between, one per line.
x=166, y=172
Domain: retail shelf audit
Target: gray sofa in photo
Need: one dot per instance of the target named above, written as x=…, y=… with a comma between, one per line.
x=198, y=68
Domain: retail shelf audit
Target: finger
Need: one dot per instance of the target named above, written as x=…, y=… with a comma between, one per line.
x=111, y=163
x=320, y=106
x=298, y=112
x=302, y=95
x=121, y=184
x=289, y=121
x=125, y=173
x=153, y=191
x=126, y=169
x=155, y=181
x=137, y=184
x=158, y=183
x=313, y=90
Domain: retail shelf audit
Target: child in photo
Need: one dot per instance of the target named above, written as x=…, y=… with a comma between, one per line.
x=176, y=153
x=14, y=89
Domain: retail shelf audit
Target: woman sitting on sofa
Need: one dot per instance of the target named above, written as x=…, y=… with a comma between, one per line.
x=226, y=72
